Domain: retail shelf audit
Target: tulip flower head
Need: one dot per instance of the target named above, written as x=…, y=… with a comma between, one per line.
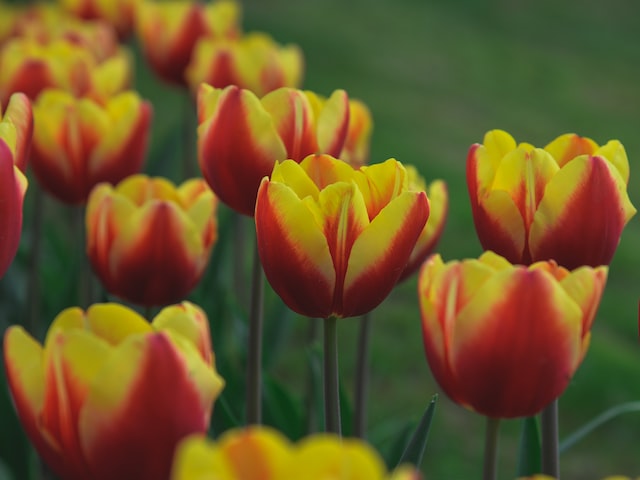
x=168, y=32
x=254, y=61
x=333, y=240
x=240, y=137
x=261, y=452
x=148, y=241
x=358, y=142
x=16, y=126
x=79, y=143
x=504, y=340
x=110, y=395
x=567, y=202
x=439, y=206
x=118, y=13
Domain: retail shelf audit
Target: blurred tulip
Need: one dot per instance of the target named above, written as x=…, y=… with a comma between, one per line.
x=439, y=206
x=9, y=15
x=110, y=395
x=261, y=452
x=15, y=137
x=504, y=340
x=254, y=62
x=347, y=233
x=240, y=137
x=148, y=241
x=118, y=13
x=358, y=141
x=567, y=202
x=168, y=32
x=79, y=143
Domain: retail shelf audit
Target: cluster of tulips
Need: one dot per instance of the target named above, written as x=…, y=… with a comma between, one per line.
x=111, y=394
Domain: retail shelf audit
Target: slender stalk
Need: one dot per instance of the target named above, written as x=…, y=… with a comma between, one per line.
x=490, y=470
x=362, y=377
x=239, y=249
x=254, y=354
x=33, y=281
x=550, y=442
x=331, y=378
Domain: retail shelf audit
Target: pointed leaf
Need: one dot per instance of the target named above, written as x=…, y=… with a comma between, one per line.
x=414, y=452
x=529, y=455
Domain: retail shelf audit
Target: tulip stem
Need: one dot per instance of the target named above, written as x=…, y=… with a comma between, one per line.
x=331, y=378
x=490, y=470
x=362, y=377
x=550, y=442
x=254, y=354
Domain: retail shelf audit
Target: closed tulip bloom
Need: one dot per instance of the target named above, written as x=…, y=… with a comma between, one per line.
x=439, y=206
x=109, y=395
x=118, y=13
x=148, y=240
x=79, y=143
x=240, y=136
x=168, y=32
x=504, y=340
x=15, y=136
x=255, y=62
x=258, y=452
x=567, y=202
x=358, y=142
x=333, y=240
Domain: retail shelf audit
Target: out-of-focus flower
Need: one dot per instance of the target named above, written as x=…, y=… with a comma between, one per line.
x=110, y=395
x=261, y=452
x=567, y=202
x=168, y=32
x=439, y=206
x=28, y=66
x=240, y=136
x=347, y=233
x=79, y=143
x=358, y=142
x=502, y=339
x=148, y=241
x=254, y=62
x=15, y=137
x=9, y=15
x=118, y=13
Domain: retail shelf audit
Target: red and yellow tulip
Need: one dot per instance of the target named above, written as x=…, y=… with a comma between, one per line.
x=16, y=126
x=357, y=145
x=504, y=340
x=79, y=143
x=168, y=32
x=333, y=240
x=254, y=61
x=439, y=206
x=110, y=395
x=240, y=136
x=567, y=202
x=148, y=240
x=118, y=13
x=261, y=452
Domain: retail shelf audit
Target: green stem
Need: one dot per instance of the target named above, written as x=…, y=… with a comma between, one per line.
x=33, y=282
x=254, y=354
x=362, y=377
x=239, y=249
x=550, y=442
x=331, y=378
x=490, y=470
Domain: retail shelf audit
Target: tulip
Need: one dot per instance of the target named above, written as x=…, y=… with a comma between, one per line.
x=439, y=206
x=118, y=13
x=254, y=62
x=347, y=233
x=15, y=136
x=240, y=137
x=110, y=395
x=169, y=31
x=262, y=452
x=357, y=144
x=148, y=241
x=79, y=143
x=504, y=340
x=567, y=202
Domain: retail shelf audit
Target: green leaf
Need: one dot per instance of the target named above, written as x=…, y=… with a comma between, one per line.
x=529, y=454
x=282, y=410
x=414, y=452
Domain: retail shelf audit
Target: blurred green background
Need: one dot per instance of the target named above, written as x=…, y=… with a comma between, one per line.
x=436, y=75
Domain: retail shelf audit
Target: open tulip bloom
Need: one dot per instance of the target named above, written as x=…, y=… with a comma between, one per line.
x=109, y=395
x=241, y=136
x=567, y=202
x=504, y=340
